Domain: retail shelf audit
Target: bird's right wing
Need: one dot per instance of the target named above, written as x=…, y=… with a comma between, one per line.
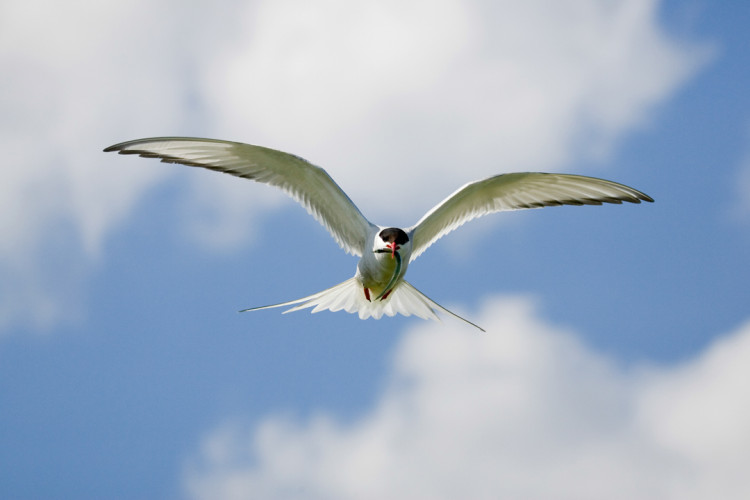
x=513, y=192
x=311, y=186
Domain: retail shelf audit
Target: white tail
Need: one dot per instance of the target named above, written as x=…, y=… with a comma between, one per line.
x=349, y=296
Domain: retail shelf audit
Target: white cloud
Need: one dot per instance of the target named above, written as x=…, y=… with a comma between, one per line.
x=78, y=76
x=454, y=88
x=525, y=411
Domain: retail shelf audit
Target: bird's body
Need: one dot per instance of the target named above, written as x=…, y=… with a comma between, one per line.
x=378, y=286
x=379, y=268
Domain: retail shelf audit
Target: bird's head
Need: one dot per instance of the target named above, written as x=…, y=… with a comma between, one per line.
x=392, y=240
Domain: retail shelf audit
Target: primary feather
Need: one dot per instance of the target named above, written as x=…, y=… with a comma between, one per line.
x=311, y=186
x=513, y=192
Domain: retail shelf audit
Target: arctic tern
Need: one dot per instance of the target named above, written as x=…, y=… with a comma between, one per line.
x=378, y=287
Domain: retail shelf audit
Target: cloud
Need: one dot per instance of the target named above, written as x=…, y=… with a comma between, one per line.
x=454, y=89
x=78, y=77
x=525, y=411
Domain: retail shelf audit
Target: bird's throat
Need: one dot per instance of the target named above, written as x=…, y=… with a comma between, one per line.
x=394, y=277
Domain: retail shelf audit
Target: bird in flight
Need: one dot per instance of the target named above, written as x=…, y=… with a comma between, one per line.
x=378, y=287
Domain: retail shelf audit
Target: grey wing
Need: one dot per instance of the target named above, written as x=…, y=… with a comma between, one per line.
x=513, y=192
x=311, y=186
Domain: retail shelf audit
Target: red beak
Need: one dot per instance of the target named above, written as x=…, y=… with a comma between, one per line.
x=393, y=249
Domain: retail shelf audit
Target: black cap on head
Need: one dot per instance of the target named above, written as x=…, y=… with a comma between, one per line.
x=394, y=235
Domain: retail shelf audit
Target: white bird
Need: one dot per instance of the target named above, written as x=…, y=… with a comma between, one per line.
x=378, y=287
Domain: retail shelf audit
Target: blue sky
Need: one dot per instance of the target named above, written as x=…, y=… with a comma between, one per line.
x=615, y=360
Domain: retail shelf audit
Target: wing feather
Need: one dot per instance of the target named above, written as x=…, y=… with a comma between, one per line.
x=309, y=185
x=513, y=192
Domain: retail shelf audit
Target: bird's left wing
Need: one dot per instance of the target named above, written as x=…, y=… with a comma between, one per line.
x=513, y=192
x=311, y=186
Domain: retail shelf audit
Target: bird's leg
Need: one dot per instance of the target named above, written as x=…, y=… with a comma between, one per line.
x=385, y=296
x=367, y=294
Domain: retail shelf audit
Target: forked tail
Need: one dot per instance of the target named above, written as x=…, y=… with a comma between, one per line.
x=349, y=296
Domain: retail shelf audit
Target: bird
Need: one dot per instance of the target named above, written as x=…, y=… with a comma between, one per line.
x=378, y=286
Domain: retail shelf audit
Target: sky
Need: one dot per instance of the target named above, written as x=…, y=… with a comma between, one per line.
x=618, y=337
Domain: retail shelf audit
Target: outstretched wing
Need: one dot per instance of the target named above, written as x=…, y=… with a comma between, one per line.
x=311, y=186
x=513, y=192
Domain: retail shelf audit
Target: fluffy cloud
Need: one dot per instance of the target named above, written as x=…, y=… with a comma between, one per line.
x=71, y=87
x=525, y=411
x=411, y=88
x=403, y=88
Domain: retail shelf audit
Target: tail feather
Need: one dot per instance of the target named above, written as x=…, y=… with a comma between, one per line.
x=410, y=297
x=348, y=295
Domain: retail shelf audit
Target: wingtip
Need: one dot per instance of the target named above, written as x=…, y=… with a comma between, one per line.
x=119, y=148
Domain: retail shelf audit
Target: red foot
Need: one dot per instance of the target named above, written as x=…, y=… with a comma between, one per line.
x=386, y=294
x=367, y=294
